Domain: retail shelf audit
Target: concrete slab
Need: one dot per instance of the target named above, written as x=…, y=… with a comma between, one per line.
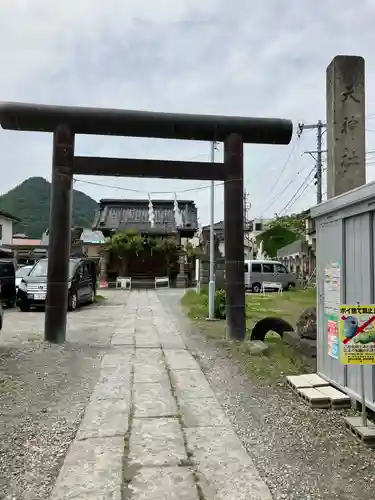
x=338, y=399
x=297, y=381
x=172, y=343
x=154, y=400
x=118, y=360
x=202, y=412
x=168, y=483
x=180, y=360
x=144, y=326
x=147, y=341
x=112, y=387
x=315, y=380
x=156, y=442
x=230, y=482
x=215, y=445
x=127, y=326
x=105, y=418
x=225, y=469
x=149, y=356
x=92, y=470
x=191, y=384
x=145, y=373
x=123, y=339
x=314, y=397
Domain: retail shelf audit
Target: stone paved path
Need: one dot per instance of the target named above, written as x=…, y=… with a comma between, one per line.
x=153, y=427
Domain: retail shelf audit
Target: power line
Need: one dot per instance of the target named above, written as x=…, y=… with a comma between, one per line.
x=284, y=166
x=319, y=162
x=297, y=195
x=277, y=196
x=198, y=188
x=138, y=191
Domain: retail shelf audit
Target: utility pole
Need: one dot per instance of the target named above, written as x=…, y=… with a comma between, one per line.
x=211, y=285
x=319, y=188
x=318, y=158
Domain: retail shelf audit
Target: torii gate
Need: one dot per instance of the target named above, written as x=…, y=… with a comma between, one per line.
x=66, y=121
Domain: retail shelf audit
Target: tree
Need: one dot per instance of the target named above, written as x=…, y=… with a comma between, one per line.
x=170, y=248
x=167, y=245
x=125, y=242
x=275, y=238
x=192, y=252
x=294, y=222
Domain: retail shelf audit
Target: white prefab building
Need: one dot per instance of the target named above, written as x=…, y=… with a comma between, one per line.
x=6, y=227
x=345, y=240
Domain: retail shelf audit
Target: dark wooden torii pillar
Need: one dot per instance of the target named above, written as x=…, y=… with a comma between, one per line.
x=65, y=122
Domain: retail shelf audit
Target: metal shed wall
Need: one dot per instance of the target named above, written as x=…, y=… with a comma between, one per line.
x=345, y=233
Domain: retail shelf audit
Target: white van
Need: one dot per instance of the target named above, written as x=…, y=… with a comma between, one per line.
x=271, y=271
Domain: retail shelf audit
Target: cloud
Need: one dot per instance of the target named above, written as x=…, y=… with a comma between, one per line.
x=241, y=58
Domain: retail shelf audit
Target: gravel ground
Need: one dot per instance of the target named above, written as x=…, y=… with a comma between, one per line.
x=43, y=392
x=302, y=454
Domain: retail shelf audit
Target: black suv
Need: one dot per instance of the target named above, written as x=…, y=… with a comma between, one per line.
x=7, y=283
x=32, y=290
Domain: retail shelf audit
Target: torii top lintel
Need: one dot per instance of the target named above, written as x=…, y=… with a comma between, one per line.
x=118, y=122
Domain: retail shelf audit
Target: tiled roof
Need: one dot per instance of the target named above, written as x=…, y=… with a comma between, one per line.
x=122, y=215
x=218, y=226
x=26, y=242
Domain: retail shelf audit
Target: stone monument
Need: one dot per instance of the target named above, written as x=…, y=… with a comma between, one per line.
x=346, y=168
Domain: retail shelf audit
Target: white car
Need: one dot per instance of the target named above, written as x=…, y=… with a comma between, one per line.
x=22, y=272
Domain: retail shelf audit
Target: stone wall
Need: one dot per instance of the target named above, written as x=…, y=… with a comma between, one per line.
x=219, y=271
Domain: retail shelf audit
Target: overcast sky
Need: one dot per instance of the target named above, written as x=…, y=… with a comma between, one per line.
x=251, y=58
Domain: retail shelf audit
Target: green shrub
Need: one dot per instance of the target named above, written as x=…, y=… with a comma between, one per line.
x=220, y=304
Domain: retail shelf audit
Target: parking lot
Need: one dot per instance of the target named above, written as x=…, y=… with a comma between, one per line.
x=44, y=389
x=20, y=327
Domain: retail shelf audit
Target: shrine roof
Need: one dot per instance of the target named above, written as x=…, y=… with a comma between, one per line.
x=134, y=214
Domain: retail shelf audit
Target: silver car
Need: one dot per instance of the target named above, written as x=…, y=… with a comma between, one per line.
x=22, y=272
x=258, y=272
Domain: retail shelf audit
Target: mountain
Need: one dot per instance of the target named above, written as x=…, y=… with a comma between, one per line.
x=30, y=202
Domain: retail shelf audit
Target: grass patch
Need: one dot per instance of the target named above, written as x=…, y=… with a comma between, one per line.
x=280, y=359
x=196, y=304
x=288, y=306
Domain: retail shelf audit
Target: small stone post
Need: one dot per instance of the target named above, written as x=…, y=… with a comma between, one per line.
x=103, y=263
x=346, y=168
x=181, y=278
